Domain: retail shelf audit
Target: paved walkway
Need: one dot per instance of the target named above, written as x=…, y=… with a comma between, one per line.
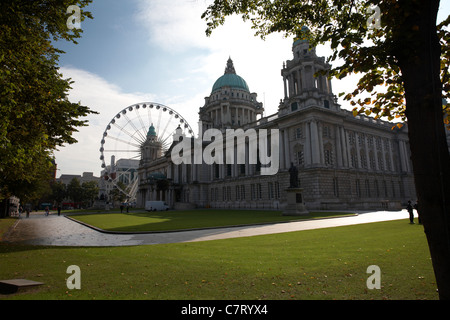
x=55, y=230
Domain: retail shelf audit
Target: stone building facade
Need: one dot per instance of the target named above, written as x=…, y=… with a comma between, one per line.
x=344, y=162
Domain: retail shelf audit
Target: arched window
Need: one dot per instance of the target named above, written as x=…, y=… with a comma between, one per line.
x=328, y=154
x=354, y=158
x=299, y=157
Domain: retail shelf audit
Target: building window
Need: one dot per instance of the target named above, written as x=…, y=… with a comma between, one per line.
x=353, y=158
x=224, y=193
x=388, y=162
x=277, y=190
x=400, y=187
x=238, y=193
x=216, y=171
x=362, y=157
x=325, y=131
x=377, y=190
x=326, y=104
x=328, y=155
x=385, y=188
x=395, y=164
x=386, y=144
x=380, y=161
x=351, y=138
x=367, y=188
x=253, y=191
x=370, y=141
x=294, y=106
x=393, y=189
x=270, y=187
x=372, y=160
x=360, y=139
x=299, y=157
x=298, y=133
x=242, y=192
x=336, y=187
x=378, y=143
x=358, y=189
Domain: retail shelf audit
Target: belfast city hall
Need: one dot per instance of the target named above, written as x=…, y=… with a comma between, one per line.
x=343, y=161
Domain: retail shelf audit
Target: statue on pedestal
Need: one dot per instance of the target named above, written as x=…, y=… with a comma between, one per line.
x=293, y=174
x=295, y=205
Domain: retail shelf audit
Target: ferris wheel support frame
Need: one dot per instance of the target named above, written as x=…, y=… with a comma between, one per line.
x=136, y=133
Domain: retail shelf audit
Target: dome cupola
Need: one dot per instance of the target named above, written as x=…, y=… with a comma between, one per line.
x=230, y=79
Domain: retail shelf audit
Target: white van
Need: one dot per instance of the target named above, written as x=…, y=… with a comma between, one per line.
x=156, y=206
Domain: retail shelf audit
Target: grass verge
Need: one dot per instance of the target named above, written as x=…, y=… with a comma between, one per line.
x=5, y=225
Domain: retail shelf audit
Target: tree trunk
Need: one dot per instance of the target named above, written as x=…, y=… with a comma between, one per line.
x=419, y=60
x=4, y=208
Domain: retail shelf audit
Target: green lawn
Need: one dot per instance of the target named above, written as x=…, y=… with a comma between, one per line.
x=141, y=221
x=316, y=264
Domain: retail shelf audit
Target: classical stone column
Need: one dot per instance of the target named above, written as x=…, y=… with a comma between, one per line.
x=315, y=143
x=307, y=148
x=285, y=87
x=339, y=157
x=403, y=155
x=286, y=149
x=344, y=147
x=358, y=155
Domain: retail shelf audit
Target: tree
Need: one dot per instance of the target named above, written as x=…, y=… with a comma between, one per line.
x=90, y=191
x=37, y=116
x=116, y=194
x=408, y=54
x=58, y=192
x=74, y=191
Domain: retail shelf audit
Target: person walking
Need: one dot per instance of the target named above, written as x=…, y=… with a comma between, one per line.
x=46, y=211
x=409, y=207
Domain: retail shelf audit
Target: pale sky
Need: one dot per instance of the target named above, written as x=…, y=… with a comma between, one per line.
x=136, y=51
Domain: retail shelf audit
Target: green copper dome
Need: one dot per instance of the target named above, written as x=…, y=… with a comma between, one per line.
x=151, y=131
x=230, y=79
x=302, y=36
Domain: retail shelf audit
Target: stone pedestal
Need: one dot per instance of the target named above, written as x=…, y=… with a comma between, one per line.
x=295, y=205
x=99, y=205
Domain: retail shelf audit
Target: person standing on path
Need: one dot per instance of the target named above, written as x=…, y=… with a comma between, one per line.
x=409, y=207
x=46, y=211
x=416, y=206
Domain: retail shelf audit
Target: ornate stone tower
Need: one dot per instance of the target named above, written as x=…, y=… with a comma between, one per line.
x=230, y=105
x=151, y=148
x=304, y=85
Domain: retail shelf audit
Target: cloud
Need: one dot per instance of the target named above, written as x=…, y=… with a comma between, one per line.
x=174, y=25
x=177, y=28
x=105, y=98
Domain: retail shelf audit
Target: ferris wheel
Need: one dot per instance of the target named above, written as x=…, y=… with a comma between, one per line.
x=124, y=135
